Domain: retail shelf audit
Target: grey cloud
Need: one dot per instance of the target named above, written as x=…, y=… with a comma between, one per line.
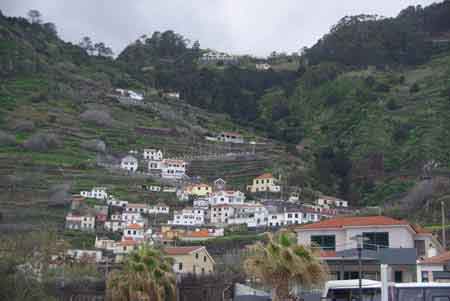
x=238, y=26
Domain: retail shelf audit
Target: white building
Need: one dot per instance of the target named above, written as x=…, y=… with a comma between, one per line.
x=132, y=217
x=159, y=208
x=227, y=197
x=84, y=222
x=264, y=182
x=172, y=95
x=129, y=163
x=188, y=217
x=153, y=154
x=130, y=94
x=215, y=56
x=329, y=202
x=173, y=169
x=134, y=231
x=115, y=225
x=201, y=203
x=98, y=193
x=134, y=207
x=263, y=66
x=155, y=188
x=254, y=215
x=116, y=203
x=94, y=256
x=230, y=137
x=220, y=214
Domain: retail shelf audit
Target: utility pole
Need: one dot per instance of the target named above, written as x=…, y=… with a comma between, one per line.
x=444, y=239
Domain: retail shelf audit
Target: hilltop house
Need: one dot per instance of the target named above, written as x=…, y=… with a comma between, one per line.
x=383, y=237
x=188, y=217
x=263, y=66
x=230, y=137
x=216, y=57
x=129, y=163
x=98, y=193
x=191, y=260
x=329, y=201
x=153, y=154
x=134, y=232
x=172, y=95
x=264, y=182
x=130, y=94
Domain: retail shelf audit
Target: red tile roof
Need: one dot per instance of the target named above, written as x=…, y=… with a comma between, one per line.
x=265, y=176
x=173, y=251
x=443, y=258
x=420, y=230
x=325, y=254
x=134, y=226
x=360, y=221
x=198, y=234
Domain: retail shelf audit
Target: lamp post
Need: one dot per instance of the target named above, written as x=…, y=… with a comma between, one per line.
x=360, y=244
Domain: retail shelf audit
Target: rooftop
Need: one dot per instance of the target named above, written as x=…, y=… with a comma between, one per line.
x=360, y=221
x=173, y=251
x=265, y=176
x=443, y=258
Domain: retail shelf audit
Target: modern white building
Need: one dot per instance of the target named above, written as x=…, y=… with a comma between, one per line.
x=129, y=163
x=188, y=217
x=221, y=213
x=98, y=193
x=153, y=154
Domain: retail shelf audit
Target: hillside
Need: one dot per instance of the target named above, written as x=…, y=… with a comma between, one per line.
x=58, y=121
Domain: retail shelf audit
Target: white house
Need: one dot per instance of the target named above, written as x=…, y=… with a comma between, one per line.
x=132, y=217
x=153, y=154
x=134, y=207
x=336, y=236
x=201, y=203
x=226, y=197
x=215, y=56
x=155, y=188
x=428, y=269
x=129, y=163
x=159, y=208
x=329, y=201
x=172, y=95
x=98, y=193
x=116, y=203
x=220, y=214
x=115, y=225
x=104, y=243
x=173, y=169
x=84, y=222
x=188, y=217
x=230, y=137
x=134, y=231
x=263, y=66
x=264, y=182
x=252, y=214
x=155, y=166
x=130, y=94
x=94, y=256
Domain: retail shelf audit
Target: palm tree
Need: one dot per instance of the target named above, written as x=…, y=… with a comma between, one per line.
x=282, y=263
x=147, y=275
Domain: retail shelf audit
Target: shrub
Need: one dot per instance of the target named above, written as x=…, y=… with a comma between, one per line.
x=42, y=142
x=95, y=145
x=414, y=88
x=7, y=139
x=392, y=105
x=100, y=118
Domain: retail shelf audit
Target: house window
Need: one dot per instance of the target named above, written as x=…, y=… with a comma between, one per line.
x=420, y=247
x=398, y=276
x=204, y=258
x=196, y=255
x=180, y=266
x=376, y=240
x=325, y=242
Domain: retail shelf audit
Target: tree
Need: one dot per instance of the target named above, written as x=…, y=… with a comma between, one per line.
x=50, y=28
x=282, y=264
x=34, y=16
x=86, y=44
x=147, y=275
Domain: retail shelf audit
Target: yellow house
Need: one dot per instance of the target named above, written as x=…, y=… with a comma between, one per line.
x=191, y=260
x=264, y=182
x=200, y=190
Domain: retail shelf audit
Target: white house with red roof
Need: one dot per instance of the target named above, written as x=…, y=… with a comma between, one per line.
x=263, y=183
x=230, y=137
x=227, y=197
x=335, y=238
x=436, y=268
x=173, y=169
x=134, y=231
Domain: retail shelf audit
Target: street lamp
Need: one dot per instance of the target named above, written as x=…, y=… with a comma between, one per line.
x=360, y=239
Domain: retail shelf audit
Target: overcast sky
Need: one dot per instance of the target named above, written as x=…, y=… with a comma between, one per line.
x=255, y=27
